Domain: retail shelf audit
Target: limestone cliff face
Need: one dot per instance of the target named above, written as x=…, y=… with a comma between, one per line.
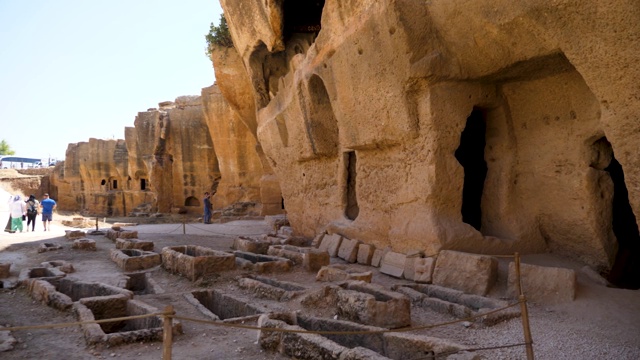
x=94, y=178
x=229, y=107
x=430, y=125
x=165, y=164
x=239, y=164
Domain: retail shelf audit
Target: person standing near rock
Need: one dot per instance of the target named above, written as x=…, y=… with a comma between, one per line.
x=32, y=212
x=207, y=208
x=47, y=205
x=17, y=209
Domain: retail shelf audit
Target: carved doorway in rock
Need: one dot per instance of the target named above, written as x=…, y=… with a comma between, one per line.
x=470, y=154
x=626, y=268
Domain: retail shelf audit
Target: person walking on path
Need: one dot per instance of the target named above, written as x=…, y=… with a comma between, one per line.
x=17, y=209
x=207, y=208
x=32, y=212
x=8, y=227
x=47, y=206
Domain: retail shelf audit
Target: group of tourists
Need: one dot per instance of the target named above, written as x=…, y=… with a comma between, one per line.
x=28, y=210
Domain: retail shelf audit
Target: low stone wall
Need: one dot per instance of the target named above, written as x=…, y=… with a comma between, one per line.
x=132, y=259
x=262, y=263
x=61, y=293
x=372, y=304
x=311, y=259
x=457, y=303
x=193, y=261
x=271, y=289
x=134, y=244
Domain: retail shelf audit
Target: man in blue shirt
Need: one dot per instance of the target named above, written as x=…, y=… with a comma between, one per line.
x=47, y=206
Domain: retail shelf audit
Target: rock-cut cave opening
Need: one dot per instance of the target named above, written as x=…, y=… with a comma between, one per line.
x=470, y=154
x=301, y=16
x=352, y=209
x=625, y=272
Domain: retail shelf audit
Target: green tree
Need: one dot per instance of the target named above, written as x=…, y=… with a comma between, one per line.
x=218, y=36
x=5, y=148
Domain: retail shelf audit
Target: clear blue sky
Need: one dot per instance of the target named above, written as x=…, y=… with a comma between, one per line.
x=71, y=70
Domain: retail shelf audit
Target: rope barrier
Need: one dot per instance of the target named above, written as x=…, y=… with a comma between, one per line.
x=53, y=326
x=250, y=327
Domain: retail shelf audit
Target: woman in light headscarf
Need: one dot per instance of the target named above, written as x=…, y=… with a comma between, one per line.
x=17, y=209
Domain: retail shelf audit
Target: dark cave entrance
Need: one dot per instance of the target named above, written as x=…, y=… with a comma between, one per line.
x=352, y=210
x=470, y=155
x=301, y=16
x=625, y=272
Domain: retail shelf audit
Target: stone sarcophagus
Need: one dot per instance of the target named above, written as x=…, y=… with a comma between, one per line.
x=193, y=262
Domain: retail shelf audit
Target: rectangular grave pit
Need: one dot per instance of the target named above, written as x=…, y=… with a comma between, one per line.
x=29, y=274
x=133, y=259
x=193, y=262
x=141, y=283
x=266, y=288
x=121, y=331
x=61, y=293
x=262, y=263
x=369, y=346
x=457, y=303
x=374, y=305
x=309, y=258
x=219, y=306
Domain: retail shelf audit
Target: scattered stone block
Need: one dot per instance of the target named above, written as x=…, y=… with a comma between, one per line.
x=378, y=254
x=331, y=244
x=74, y=234
x=409, y=265
x=247, y=244
x=423, y=269
x=77, y=222
x=84, y=244
x=133, y=260
x=393, y=264
x=5, y=270
x=365, y=254
x=7, y=341
x=338, y=272
x=317, y=240
x=134, y=244
x=543, y=284
x=121, y=234
x=140, y=283
x=594, y=276
x=61, y=265
x=471, y=273
x=349, y=250
x=44, y=247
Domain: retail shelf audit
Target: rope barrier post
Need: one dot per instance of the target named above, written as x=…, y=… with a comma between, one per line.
x=167, y=332
x=96, y=223
x=524, y=312
x=184, y=225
